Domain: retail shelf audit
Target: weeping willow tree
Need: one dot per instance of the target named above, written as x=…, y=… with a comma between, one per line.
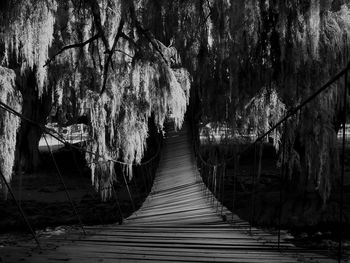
x=113, y=64
x=94, y=61
x=295, y=47
x=237, y=51
x=26, y=30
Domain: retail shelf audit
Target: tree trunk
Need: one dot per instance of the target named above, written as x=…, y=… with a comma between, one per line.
x=36, y=109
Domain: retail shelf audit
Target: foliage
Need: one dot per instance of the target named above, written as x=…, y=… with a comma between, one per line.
x=140, y=84
x=120, y=62
x=28, y=35
x=292, y=46
x=262, y=112
x=100, y=63
x=8, y=123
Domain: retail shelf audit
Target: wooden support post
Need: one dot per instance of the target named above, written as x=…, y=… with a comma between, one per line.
x=284, y=145
x=223, y=187
x=252, y=204
x=341, y=203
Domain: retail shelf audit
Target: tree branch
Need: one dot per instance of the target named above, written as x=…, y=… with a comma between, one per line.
x=121, y=51
x=151, y=40
x=210, y=7
x=144, y=32
x=95, y=9
x=71, y=46
x=109, y=58
x=126, y=37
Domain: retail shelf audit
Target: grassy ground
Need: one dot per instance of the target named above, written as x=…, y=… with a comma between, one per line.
x=44, y=201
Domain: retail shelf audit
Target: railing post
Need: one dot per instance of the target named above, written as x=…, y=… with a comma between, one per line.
x=223, y=187
x=213, y=185
x=252, y=204
x=218, y=185
x=118, y=205
x=150, y=177
x=128, y=189
x=20, y=183
x=281, y=183
x=261, y=149
x=143, y=178
x=209, y=181
x=207, y=175
x=235, y=180
x=81, y=174
x=341, y=204
x=201, y=175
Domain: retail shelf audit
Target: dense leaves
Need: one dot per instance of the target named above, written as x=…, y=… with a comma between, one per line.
x=292, y=47
x=8, y=123
x=116, y=63
x=99, y=63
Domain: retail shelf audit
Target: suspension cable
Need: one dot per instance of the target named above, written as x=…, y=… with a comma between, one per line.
x=65, y=187
x=128, y=189
x=49, y=132
x=252, y=204
x=25, y=219
x=62, y=140
x=340, y=247
x=92, y=194
x=118, y=205
x=223, y=188
x=291, y=112
x=283, y=170
x=295, y=110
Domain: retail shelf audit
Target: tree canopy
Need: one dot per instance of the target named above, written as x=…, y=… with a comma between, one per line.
x=118, y=63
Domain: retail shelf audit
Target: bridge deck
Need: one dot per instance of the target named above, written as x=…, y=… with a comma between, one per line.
x=176, y=223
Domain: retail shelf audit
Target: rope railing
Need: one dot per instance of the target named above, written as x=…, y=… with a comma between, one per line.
x=64, y=186
x=211, y=176
x=146, y=168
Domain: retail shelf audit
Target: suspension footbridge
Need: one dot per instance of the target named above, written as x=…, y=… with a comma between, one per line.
x=175, y=223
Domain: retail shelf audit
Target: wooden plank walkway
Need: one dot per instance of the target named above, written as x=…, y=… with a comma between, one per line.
x=176, y=223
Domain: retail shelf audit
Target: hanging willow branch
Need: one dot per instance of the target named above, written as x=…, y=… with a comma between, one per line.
x=71, y=46
x=127, y=94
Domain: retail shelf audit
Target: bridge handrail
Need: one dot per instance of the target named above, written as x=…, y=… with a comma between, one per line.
x=294, y=110
x=61, y=139
x=291, y=112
